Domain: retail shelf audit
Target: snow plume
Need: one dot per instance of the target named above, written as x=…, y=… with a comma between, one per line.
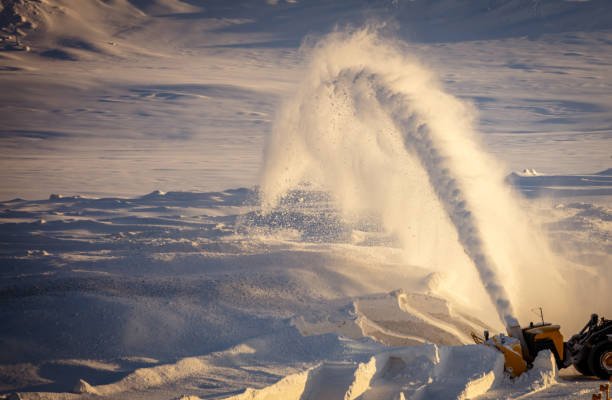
x=375, y=128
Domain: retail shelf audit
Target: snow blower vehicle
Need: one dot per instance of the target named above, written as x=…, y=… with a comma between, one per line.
x=589, y=351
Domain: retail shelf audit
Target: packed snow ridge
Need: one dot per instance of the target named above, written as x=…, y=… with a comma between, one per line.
x=419, y=373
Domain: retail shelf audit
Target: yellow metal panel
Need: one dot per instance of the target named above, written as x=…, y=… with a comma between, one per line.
x=513, y=358
x=549, y=332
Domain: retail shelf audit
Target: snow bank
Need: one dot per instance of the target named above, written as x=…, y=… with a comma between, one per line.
x=397, y=318
x=362, y=378
x=465, y=372
x=408, y=318
x=541, y=376
x=419, y=372
x=528, y=172
x=290, y=388
x=144, y=378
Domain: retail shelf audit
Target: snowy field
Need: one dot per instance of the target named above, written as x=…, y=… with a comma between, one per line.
x=226, y=200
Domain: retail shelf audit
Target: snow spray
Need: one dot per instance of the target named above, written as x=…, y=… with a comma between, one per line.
x=375, y=128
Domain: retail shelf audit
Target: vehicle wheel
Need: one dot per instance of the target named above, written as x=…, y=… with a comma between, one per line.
x=600, y=360
x=582, y=366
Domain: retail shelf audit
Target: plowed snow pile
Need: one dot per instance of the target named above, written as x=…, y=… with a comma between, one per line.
x=421, y=372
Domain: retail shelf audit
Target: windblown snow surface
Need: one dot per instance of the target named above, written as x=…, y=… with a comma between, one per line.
x=332, y=206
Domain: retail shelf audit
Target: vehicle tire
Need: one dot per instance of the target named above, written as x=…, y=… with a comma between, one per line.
x=600, y=360
x=582, y=366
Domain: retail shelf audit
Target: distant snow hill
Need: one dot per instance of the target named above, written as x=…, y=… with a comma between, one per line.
x=68, y=30
x=64, y=30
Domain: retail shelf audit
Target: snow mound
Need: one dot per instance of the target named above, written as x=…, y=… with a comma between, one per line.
x=397, y=318
x=542, y=375
x=410, y=318
x=144, y=378
x=528, y=172
x=290, y=387
x=83, y=387
x=420, y=372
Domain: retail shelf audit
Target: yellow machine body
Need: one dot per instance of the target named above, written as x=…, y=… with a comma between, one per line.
x=540, y=333
x=512, y=351
x=521, y=347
